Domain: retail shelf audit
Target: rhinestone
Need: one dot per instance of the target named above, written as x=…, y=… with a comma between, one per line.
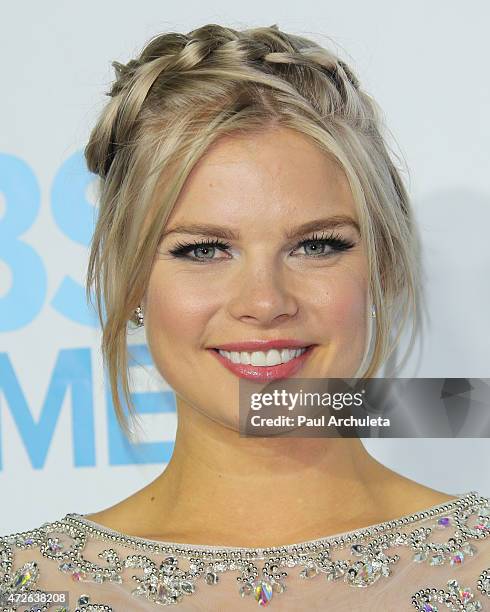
x=308, y=572
x=465, y=594
x=366, y=573
x=469, y=549
x=420, y=556
x=66, y=567
x=76, y=576
x=335, y=572
x=212, y=578
x=457, y=558
x=246, y=589
x=161, y=593
x=263, y=592
x=26, y=575
x=437, y=559
x=187, y=587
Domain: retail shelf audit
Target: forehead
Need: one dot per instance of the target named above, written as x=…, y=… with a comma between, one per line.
x=275, y=174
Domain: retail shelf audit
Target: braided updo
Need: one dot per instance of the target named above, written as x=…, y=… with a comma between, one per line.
x=182, y=93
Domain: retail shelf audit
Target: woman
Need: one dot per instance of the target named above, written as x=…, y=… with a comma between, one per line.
x=252, y=220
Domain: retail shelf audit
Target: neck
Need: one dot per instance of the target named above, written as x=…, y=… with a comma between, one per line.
x=220, y=488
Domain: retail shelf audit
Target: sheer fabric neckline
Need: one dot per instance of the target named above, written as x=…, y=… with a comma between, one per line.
x=423, y=513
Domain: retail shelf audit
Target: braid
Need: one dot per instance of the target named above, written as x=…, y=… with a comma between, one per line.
x=172, y=53
x=214, y=47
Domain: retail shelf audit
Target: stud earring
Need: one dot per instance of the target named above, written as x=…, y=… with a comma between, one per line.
x=373, y=311
x=138, y=313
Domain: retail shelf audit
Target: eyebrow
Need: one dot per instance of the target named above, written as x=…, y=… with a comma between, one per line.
x=206, y=229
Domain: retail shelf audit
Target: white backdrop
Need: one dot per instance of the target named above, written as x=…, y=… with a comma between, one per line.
x=426, y=64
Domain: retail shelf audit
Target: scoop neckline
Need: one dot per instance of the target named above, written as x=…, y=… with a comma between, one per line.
x=361, y=531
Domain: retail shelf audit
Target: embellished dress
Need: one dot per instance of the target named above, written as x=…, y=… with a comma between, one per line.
x=437, y=559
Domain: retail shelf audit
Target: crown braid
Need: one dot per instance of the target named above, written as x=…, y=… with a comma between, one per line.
x=214, y=47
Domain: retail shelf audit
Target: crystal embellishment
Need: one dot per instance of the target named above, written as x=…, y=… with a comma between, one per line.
x=262, y=573
x=454, y=597
x=443, y=522
x=263, y=592
x=483, y=583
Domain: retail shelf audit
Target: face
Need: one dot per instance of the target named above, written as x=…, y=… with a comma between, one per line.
x=250, y=261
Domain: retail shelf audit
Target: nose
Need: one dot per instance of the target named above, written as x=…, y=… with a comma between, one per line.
x=261, y=296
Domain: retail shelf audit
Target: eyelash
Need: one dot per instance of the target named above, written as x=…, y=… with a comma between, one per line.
x=335, y=241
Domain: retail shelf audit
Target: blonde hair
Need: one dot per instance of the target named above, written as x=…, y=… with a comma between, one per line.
x=182, y=93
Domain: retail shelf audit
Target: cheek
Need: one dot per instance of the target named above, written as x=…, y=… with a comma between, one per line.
x=177, y=306
x=340, y=301
x=347, y=310
x=340, y=316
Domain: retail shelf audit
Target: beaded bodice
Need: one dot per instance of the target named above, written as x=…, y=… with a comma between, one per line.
x=436, y=559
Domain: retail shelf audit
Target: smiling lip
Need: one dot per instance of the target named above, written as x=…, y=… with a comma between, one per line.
x=264, y=373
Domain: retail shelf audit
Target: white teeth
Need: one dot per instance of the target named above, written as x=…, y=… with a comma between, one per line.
x=258, y=358
x=273, y=357
x=244, y=358
x=263, y=358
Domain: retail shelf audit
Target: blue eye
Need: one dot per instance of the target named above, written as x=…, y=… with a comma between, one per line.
x=315, y=247
x=317, y=244
x=207, y=248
